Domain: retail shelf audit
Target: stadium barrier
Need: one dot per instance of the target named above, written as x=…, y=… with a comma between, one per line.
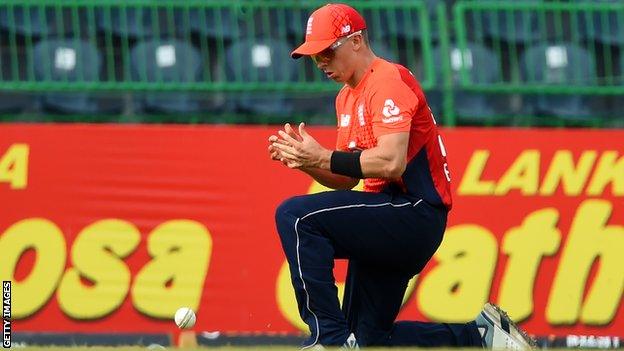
x=481, y=62
x=115, y=28
x=115, y=227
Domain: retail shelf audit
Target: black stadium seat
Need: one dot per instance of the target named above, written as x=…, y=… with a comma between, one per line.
x=167, y=61
x=214, y=23
x=262, y=61
x=483, y=66
x=518, y=26
x=68, y=60
x=558, y=64
x=140, y=22
x=605, y=27
x=27, y=21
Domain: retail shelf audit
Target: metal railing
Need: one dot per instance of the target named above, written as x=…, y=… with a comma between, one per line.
x=479, y=48
x=114, y=28
x=515, y=27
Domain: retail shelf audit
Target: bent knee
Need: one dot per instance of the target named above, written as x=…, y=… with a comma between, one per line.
x=290, y=209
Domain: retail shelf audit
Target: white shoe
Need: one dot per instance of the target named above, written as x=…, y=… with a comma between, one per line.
x=351, y=343
x=499, y=332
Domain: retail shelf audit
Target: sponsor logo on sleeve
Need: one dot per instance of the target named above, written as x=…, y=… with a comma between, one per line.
x=391, y=112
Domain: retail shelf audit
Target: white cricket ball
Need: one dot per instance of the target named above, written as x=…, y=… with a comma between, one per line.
x=184, y=318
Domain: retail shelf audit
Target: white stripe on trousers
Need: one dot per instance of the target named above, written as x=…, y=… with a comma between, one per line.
x=299, y=260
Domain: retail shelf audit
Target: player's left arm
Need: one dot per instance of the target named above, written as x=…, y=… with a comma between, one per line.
x=388, y=159
x=392, y=107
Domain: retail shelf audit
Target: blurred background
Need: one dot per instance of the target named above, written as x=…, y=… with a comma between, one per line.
x=134, y=177
x=483, y=63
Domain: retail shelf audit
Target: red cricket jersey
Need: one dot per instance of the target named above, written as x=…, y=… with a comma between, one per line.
x=387, y=100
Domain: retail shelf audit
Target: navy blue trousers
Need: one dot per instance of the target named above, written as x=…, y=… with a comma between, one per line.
x=388, y=238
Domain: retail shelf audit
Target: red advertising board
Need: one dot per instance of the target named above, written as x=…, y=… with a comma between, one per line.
x=113, y=227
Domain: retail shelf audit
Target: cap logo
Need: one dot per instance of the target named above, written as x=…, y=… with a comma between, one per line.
x=309, y=26
x=346, y=29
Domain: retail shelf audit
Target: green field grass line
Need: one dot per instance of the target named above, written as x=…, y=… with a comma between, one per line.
x=220, y=348
x=229, y=348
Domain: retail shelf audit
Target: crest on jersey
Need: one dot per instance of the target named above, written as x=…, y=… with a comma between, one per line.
x=344, y=120
x=360, y=113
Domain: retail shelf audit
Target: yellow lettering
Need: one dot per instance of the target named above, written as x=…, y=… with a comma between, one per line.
x=317, y=187
x=563, y=170
x=590, y=238
x=48, y=242
x=97, y=256
x=458, y=286
x=522, y=175
x=14, y=166
x=538, y=236
x=610, y=169
x=181, y=251
x=471, y=183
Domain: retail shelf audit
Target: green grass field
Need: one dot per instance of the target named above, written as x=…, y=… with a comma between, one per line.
x=225, y=348
x=220, y=348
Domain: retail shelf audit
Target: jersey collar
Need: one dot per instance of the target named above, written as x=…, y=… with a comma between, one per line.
x=362, y=83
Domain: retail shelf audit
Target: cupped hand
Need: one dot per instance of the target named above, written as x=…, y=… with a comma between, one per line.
x=300, y=150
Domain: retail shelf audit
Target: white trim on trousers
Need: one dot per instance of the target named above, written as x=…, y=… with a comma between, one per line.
x=299, y=261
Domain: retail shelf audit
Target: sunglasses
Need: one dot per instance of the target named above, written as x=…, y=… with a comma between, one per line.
x=329, y=53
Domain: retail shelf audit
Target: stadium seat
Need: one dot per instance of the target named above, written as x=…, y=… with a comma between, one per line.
x=402, y=23
x=214, y=23
x=166, y=61
x=260, y=61
x=68, y=60
x=297, y=21
x=621, y=67
x=483, y=66
x=605, y=27
x=386, y=22
x=140, y=22
x=561, y=64
x=382, y=50
x=285, y=23
x=27, y=20
x=14, y=102
x=617, y=101
x=44, y=21
x=518, y=26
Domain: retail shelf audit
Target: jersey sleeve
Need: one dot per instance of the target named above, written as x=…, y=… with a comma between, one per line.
x=392, y=105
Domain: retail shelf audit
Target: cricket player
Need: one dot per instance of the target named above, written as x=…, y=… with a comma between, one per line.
x=387, y=136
